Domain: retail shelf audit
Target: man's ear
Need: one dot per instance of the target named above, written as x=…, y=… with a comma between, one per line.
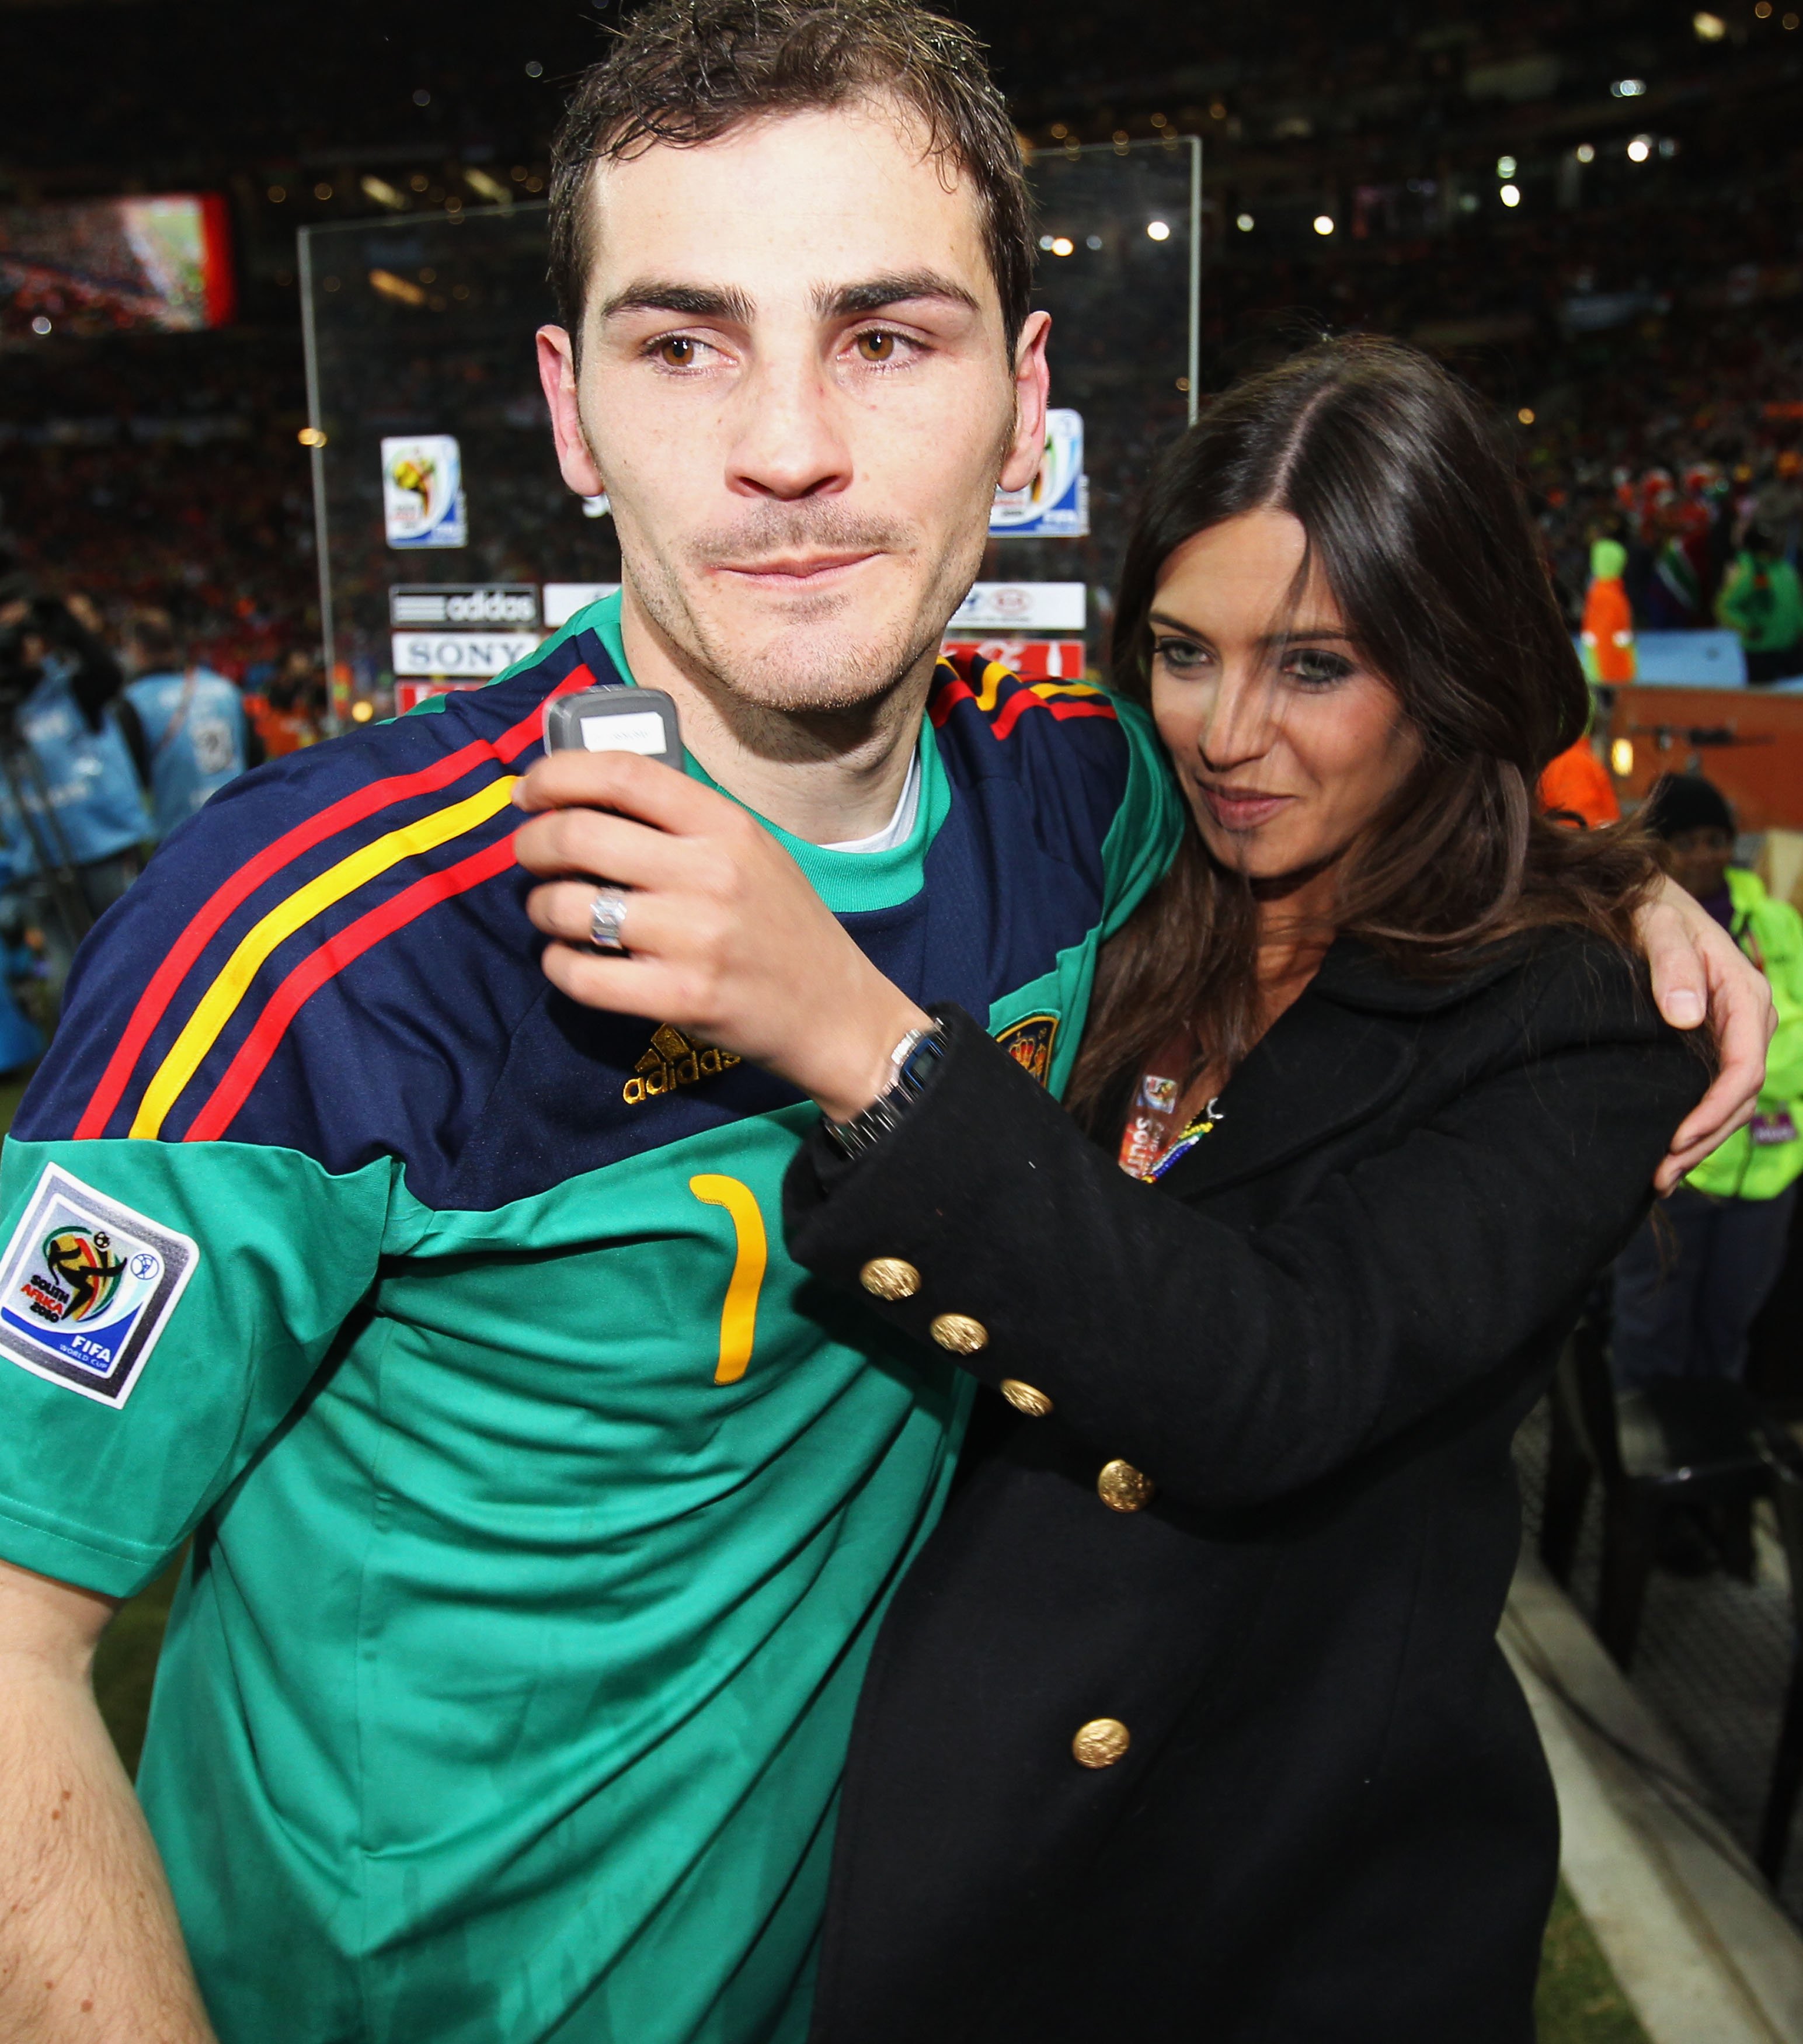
x=556, y=375
x=1033, y=384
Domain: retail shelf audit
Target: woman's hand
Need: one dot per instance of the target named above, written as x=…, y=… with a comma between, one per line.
x=1699, y=972
x=725, y=937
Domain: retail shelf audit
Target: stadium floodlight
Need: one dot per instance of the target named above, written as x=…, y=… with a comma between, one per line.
x=1245, y=223
x=1505, y=167
x=484, y=187
x=1585, y=152
x=1709, y=28
x=1510, y=194
x=1627, y=88
x=1640, y=148
x=402, y=289
x=1324, y=223
x=1158, y=230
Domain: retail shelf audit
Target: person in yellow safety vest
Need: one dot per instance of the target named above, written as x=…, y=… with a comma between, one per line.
x=1731, y=1216
x=1608, y=634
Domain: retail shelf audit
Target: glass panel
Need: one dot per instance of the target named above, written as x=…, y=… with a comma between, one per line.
x=418, y=334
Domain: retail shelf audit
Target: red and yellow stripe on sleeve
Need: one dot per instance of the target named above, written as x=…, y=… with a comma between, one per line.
x=233, y=982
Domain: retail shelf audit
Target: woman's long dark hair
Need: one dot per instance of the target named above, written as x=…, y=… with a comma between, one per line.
x=1413, y=519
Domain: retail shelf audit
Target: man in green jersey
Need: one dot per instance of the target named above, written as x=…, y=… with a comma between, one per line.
x=542, y=1510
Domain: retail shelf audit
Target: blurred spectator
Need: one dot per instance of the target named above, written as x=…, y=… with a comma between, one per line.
x=70, y=798
x=185, y=725
x=1608, y=634
x=287, y=715
x=1761, y=600
x=1577, y=784
x=1686, y=1312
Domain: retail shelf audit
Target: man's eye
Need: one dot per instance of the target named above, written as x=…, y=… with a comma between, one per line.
x=878, y=346
x=677, y=350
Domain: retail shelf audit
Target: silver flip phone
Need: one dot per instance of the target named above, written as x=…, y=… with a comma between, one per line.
x=615, y=719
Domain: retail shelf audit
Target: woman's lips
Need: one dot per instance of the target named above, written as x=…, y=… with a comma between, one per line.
x=1241, y=809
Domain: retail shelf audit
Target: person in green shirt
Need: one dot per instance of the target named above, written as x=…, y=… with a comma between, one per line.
x=1762, y=600
x=1687, y=1312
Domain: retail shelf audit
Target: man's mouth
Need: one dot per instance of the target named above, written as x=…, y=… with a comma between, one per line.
x=1240, y=808
x=784, y=571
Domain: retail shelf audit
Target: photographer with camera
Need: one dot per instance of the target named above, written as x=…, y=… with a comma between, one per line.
x=70, y=805
x=184, y=725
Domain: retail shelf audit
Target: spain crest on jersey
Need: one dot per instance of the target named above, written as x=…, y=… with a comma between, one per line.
x=1029, y=1043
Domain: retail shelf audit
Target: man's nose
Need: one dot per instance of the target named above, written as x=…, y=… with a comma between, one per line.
x=790, y=441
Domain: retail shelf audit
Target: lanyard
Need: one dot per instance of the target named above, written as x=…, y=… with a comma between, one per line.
x=1203, y=1125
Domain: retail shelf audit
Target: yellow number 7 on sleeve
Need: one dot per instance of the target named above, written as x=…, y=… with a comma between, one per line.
x=738, y=1317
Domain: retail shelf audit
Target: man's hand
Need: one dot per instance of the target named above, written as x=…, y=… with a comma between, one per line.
x=90, y=1947
x=1699, y=973
x=725, y=937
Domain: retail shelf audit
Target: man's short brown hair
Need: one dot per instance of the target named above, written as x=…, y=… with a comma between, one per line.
x=686, y=71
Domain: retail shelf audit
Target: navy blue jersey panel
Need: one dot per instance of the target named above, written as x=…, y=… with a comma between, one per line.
x=334, y=957
x=261, y=843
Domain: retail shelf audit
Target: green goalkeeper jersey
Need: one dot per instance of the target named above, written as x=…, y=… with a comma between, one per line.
x=542, y=1510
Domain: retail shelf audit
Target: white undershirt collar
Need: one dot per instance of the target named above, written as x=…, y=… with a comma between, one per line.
x=899, y=827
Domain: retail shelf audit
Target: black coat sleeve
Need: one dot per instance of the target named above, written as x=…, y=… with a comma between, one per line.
x=1236, y=1366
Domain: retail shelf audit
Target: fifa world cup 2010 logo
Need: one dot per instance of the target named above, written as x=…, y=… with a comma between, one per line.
x=416, y=477
x=83, y=1263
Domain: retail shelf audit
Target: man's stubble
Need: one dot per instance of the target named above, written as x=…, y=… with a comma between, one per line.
x=826, y=676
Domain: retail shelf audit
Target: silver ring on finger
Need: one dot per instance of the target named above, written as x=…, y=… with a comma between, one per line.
x=606, y=916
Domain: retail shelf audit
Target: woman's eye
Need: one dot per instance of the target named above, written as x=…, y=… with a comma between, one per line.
x=878, y=346
x=1317, y=669
x=677, y=350
x=1180, y=656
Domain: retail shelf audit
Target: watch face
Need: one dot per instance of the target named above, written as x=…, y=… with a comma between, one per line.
x=917, y=1067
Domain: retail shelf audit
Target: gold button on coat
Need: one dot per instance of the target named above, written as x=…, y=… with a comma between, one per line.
x=959, y=1333
x=1026, y=1398
x=1101, y=1742
x=1122, y=1488
x=890, y=1278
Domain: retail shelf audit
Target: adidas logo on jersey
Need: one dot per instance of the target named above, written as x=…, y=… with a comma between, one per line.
x=671, y=1060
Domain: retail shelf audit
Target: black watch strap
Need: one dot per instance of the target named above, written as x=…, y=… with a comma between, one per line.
x=914, y=1058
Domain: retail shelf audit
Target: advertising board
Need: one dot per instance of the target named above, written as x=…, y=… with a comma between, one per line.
x=422, y=491
x=1055, y=505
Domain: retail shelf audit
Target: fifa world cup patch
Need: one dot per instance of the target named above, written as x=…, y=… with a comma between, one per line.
x=674, y=1061
x=1029, y=1043
x=86, y=1285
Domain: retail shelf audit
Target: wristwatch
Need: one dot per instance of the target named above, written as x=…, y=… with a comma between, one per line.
x=912, y=1061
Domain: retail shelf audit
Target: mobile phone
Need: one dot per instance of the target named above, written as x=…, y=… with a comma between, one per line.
x=615, y=719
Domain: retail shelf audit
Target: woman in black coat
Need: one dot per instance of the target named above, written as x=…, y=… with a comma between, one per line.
x=1189, y=1723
